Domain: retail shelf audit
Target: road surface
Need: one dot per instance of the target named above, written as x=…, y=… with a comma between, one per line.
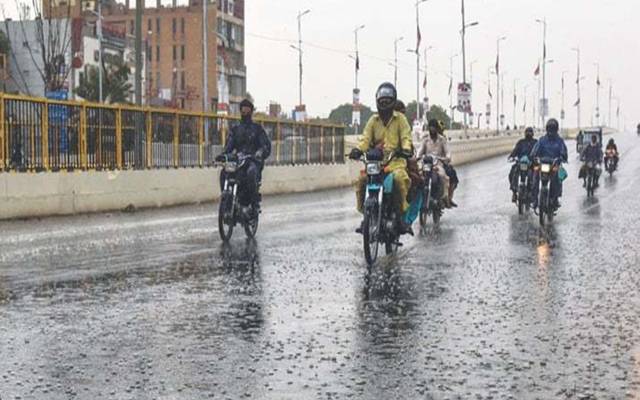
x=151, y=305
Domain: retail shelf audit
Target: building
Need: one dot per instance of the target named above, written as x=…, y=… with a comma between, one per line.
x=26, y=63
x=232, y=71
x=173, y=39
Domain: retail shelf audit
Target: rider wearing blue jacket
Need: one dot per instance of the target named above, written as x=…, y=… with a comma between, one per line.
x=549, y=146
x=523, y=148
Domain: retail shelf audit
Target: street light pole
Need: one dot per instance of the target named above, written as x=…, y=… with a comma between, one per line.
x=562, y=115
x=451, y=108
x=205, y=63
x=357, y=67
x=418, y=38
x=515, y=82
x=577, y=50
x=543, y=111
x=498, y=85
x=395, y=61
x=464, y=57
x=426, y=96
x=300, y=15
x=99, y=28
x=597, y=64
x=610, y=98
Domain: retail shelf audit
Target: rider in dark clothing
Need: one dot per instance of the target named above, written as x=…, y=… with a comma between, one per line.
x=612, y=146
x=523, y=148
x=248, y=138
x=593, y=154
x=549, y=146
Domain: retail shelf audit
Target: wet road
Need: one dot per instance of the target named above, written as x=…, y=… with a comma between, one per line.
x=151, y=305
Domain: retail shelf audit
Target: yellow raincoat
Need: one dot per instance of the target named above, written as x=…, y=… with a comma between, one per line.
x=395, y=135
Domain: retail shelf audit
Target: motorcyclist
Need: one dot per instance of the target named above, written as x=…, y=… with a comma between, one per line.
x=436, y=145
x=247, y=138
x=387, y=133
x=611, y=146
x=523, y=148
x=552, y=146
x=592, y=154
x=450, y=170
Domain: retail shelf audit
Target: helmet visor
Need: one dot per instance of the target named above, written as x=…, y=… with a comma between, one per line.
x=386, y=91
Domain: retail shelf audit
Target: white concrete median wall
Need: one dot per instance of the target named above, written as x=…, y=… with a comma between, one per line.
x=60, y=193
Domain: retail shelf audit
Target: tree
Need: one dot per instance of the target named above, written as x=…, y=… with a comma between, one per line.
x=115, y=83
x=343, y=114
x=435, y=111
x=5, y=45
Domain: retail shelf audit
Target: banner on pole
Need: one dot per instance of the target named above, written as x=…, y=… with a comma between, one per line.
x=464, y=97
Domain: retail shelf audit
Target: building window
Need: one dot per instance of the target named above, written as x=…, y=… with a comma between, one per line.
x=182, y=25
x=174, y=26
x=149, y=55
x=158, y=80
x=182, y=81
x=182, y=52
x=158, y=26
x=158, y=53
x=175, y=53
x=182, y=103
x=132, y=27
x=149, y=25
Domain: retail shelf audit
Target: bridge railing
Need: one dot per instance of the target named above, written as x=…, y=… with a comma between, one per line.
x=38, y=134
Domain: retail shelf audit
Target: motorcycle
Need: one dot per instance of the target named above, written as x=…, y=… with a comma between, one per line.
x=547, y=206
x=610, y=161
x=523, y=177
x=432, y=192
x=231, y=212
x=380, y=223
x=591, y=175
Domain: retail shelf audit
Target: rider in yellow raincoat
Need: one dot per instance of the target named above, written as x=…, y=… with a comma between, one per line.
x=388, y=131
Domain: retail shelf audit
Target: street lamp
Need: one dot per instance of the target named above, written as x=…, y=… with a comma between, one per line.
x=395, y=60
x=464, y=57
x=355, y=32
x=426, y=97
x=418, y=38
x=299, y=48
x=543, y=111
x=500, y=39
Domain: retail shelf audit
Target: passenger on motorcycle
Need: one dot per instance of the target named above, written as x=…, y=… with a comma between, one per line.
x=247, y=138
x=550, y=145
x=435, y=144
x=389, y=133
x=592, y=154
x=523, y=148
x=611, y=146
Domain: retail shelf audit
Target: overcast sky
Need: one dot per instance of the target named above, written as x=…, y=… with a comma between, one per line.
x=606, y=32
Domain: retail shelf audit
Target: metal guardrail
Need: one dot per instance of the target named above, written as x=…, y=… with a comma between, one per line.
x=38, y=134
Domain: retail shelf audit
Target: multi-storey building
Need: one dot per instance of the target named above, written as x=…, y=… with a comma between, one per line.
x=173, y=39
x=232, y=72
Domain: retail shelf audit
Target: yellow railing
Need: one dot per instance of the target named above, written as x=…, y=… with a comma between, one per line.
x=38, y=134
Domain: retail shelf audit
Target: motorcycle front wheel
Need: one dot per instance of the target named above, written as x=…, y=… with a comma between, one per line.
x=225, y=216
x=370, y=232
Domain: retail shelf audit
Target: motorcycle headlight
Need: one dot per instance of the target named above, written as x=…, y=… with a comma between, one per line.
x=524, y=167
x=545, y=168
x=230, y=167
x=373, y=168
x=427, y=167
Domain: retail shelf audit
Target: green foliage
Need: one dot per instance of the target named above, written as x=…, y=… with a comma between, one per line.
x=343, y=115
x=115, y=84
x=435, y=111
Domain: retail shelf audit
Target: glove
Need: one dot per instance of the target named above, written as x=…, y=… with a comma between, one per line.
x=259, y=155
x=355, y=154
x=221, y=158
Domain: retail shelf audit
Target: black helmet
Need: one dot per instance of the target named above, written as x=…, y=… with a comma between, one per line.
x=434, y=123
x=552, y=126
x=247, y=103
x=386, y=97
x=528, y=132
x=611, y=141
x=400, y=107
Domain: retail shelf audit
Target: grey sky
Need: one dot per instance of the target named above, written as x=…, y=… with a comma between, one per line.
x=605, y=31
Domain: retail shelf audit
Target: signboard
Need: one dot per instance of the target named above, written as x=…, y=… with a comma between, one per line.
x=355, y=118
x=502, y=120
x=58, y=117
x=356, y=96
x=561, y=114
x=300, y=113
x=464, y=97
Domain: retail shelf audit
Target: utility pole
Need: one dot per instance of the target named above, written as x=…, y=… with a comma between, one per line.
x=515, y=82
x=578, y=101
x=205, y=62
x=610, y=99
x=562, y=115
x=100, y=69
x=300, y=15
x=464, y=58
x=357, y=53
x=451, y=108
x=597, y=64
x=418, y=38
x=395, y=61
x=544, y=103
x=498, y=85
x=356, y=91
x=138, y=48
x=426, y=96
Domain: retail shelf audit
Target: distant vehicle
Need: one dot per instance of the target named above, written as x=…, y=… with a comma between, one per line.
x=584, y=138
